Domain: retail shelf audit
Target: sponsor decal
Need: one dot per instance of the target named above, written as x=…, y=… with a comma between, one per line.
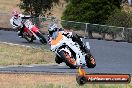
x=83, y=78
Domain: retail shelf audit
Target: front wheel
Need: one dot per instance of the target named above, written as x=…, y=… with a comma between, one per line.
x=90, y=61
x=42, y=38
x=69, y=60
x=58, y=60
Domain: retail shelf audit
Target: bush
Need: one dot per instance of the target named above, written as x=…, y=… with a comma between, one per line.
x=121, y=19
x=92, y=11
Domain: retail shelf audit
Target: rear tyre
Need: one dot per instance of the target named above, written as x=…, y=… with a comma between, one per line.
x=28, y=37
x=70, y=61
x=90, y=60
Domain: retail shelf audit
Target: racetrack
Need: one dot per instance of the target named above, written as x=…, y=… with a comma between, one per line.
x=111, y=57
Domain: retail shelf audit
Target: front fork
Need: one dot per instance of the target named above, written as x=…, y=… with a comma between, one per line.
x=35, y=34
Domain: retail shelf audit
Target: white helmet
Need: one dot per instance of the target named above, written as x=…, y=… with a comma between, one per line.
x=15, y=13
x=52, y=27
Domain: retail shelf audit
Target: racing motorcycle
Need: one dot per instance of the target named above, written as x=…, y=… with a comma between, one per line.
x=70, y=52
x=31, y=32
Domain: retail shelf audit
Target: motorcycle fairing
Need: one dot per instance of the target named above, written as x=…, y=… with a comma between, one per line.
x=55, y=41
x=55, y=44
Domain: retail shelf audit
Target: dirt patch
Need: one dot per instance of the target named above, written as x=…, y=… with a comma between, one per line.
x=8, y=80
x=6, y=8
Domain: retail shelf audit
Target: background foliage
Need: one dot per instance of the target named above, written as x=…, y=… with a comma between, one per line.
x=91, y=11
x=37, y=7
x=120, y=18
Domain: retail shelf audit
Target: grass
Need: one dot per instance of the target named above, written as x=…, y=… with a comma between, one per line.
x=49, y=81
x=8, y=5
x=18, y=55
x=6, y=8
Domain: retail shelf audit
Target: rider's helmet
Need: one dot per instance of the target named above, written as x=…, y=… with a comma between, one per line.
x=15, y=13
x=52, y=28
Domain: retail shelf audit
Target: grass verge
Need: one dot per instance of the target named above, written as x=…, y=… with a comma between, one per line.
x=18, y=55
x=49, y=81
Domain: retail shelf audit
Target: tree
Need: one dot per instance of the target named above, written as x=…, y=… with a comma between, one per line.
x=37, y=7
x=93, y=11
x=90, y=11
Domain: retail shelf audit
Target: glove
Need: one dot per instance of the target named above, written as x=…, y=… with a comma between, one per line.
x=61, y=29
x=69, y=34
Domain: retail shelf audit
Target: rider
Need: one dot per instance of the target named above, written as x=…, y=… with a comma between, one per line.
x=54, y=30
x=17, y=22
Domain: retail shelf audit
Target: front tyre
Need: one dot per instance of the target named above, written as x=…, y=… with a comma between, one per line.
x=58, y=60
x=69, y=60
x=42, y=38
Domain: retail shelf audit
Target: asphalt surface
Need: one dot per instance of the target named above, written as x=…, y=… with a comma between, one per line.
x=110, y=56
x=12, y=37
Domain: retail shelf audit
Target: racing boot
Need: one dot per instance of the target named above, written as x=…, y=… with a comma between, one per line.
x=86, y=50
x=20, y=33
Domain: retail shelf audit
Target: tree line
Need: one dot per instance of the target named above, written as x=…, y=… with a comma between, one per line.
x=106, y=12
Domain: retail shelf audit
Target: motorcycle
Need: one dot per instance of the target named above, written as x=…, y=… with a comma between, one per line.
x=31, y=32
x=70, y=52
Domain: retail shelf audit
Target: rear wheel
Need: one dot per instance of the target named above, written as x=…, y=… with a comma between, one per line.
x=28, y=37
x=90, y=60
x=69, y=60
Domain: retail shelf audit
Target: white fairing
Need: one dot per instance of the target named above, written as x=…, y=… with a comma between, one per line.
x=28, y=24
x=80, y=56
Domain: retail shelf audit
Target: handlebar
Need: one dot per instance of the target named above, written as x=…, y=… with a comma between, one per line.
x=27, y=17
